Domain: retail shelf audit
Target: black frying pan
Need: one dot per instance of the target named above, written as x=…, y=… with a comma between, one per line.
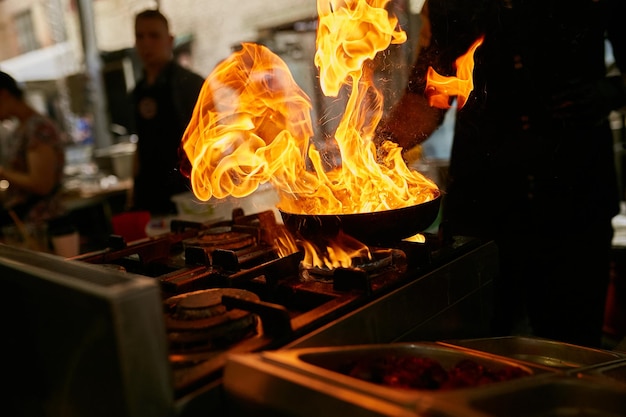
x=376, y=228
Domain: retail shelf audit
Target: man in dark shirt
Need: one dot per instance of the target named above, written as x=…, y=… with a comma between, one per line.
x=532, y=162
x=163, y=102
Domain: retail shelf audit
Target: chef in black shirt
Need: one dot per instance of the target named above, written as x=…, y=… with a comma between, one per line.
x=532, y=164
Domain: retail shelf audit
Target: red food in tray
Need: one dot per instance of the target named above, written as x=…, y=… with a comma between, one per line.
x=412, y=372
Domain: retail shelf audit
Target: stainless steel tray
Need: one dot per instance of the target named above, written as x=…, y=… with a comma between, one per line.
x=557, y=395
x=256, y=387
x=291, y=377
x=544, y=352
x=564, y=380
x=615, y=371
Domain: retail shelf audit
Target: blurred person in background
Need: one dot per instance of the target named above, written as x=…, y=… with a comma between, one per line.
x=35, y=161
x=163, y=102
x=532, y=163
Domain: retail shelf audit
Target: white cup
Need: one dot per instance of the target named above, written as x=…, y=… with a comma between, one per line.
x=66, y=245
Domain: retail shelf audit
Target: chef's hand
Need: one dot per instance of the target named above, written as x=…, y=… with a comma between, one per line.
x=589, y=102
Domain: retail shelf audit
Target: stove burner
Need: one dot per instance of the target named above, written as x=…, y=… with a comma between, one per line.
x=226, y=288
x=381, y=259
x=221, y=238
x=198, y=320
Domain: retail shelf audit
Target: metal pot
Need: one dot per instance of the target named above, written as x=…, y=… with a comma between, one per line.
x=375, y=228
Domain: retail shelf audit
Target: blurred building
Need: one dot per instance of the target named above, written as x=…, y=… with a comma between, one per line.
x=78, y=57
x=49, y=46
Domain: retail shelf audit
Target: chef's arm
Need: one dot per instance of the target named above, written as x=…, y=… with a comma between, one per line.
x=411, y=121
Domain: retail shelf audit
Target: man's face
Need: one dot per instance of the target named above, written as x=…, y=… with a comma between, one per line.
x=153, y=42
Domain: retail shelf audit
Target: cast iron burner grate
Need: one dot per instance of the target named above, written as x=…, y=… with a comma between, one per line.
x=199, y=320
x=360, y=275
x=286, y=305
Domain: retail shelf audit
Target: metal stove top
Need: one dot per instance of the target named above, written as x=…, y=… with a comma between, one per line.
x=293, y=306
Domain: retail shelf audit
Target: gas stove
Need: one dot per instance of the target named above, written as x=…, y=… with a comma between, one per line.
x=223, y=288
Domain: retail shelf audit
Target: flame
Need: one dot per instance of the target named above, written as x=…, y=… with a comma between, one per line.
x=252, y=124
x=337, y=252
x=351, y=32
x=418, y=238
x=440, y=88
x=283, y=241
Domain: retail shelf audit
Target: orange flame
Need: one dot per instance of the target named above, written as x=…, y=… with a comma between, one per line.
x=440, y=88
x=351, y=32
x=418, y=238
x=282, y=241
x=338, y=252
x=252, y=125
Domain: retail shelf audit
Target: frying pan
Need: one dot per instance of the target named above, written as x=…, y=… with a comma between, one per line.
x=375, y=228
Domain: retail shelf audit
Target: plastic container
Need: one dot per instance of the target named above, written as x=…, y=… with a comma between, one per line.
x=189, y=207
x=131, y=225
x=117, y=159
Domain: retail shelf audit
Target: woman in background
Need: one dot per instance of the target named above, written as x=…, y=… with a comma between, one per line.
x=34, y=169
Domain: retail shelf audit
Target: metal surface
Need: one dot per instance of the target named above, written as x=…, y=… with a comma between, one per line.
x=545, y=352
x=615, y=371
x=446, y=284
x=450, y=300
x=282, y=381
x=553, y=396
x=81, y=339
x=256, y=388
x=329, y=365
x=443, y=295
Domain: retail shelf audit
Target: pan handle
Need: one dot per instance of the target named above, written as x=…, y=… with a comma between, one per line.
x=274, y=317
